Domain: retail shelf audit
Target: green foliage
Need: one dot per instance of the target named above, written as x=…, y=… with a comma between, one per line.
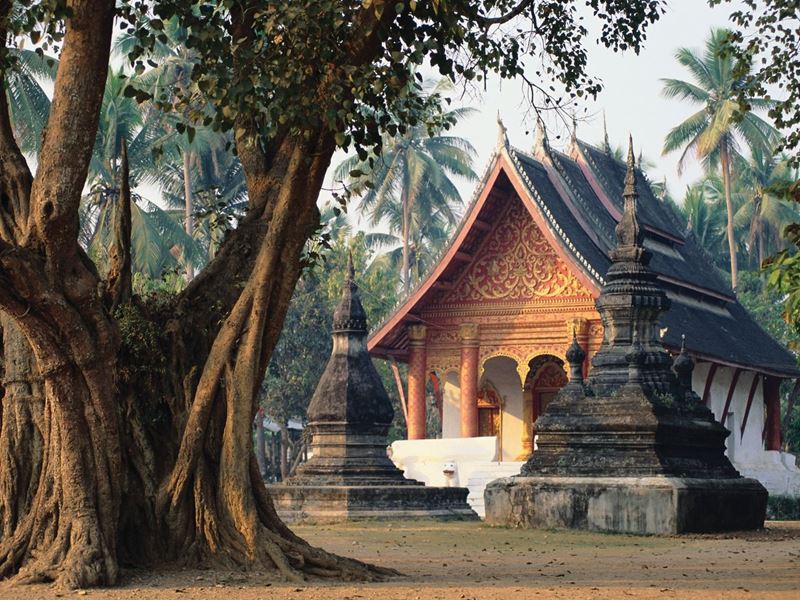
x=141, y=344
x=409, y=187
x=783, y=508
x=783, y=275
x=764, y=303
x=721, y=120
x=348, y=66
x=28, y=103
x=764, y=45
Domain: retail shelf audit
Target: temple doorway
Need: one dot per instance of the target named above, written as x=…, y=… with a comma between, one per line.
x=489, y=406
x=546, y=376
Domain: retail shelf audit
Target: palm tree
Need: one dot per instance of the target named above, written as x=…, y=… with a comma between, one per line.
x=705, y=219
x=765, y=213
x=173, y=72
x=28, y=104
x=219, y=190
x=429, y=232
x=412, y=180
x=155, y=234
x=713, y=133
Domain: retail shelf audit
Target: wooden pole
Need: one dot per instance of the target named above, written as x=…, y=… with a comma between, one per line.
x=398, y=381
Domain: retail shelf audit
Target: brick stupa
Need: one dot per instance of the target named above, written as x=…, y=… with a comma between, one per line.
x=633, y=449
x=349, y=475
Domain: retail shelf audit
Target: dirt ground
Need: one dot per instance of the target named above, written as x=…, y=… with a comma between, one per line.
x=470, y=560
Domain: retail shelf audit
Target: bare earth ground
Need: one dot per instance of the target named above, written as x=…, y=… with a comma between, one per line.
x=470, y=560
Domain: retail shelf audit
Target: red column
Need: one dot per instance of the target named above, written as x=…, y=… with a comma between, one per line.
x=772, y=400
x=417, y=371
x=468, y=379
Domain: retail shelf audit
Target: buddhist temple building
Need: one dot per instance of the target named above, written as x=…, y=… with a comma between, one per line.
x=486, y=330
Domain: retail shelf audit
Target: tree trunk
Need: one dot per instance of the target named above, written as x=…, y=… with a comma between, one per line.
x=188, y=208
x=285, y=449
x=404, y=270
x=21, y=433
x=261, y=450
x=146, y=410
x=726, y=182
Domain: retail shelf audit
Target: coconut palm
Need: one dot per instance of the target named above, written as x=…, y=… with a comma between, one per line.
x=412, y=180
x=764, y=213
x=705, y=218
x=156, y=237
x=429, y=233
x=174, y=62
x=219, y=190
x=28, y=104
x=715, y=132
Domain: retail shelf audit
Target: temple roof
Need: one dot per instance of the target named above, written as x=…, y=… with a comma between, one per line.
x=576, y=199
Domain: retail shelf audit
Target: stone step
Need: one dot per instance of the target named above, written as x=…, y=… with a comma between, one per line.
x=480, y=478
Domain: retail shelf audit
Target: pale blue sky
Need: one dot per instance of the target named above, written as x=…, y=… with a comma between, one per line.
x=631, y=97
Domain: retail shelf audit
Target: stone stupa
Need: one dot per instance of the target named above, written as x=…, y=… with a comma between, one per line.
x=632, y=449
x=349, y=475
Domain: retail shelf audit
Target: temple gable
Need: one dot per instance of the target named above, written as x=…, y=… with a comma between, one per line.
x=516, y=262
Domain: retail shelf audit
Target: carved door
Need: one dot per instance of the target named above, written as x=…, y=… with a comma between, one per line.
x=488, y=411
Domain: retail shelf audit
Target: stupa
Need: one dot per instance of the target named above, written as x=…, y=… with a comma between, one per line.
x=349, y=475
x=632, y=449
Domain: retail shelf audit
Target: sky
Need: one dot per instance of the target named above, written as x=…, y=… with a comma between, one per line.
x=631, y=98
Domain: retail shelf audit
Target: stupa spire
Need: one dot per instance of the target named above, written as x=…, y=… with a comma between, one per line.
x=629, y=231
x=350, y=316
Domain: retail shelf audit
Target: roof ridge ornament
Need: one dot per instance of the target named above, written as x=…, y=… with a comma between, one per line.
x=606, y=142
x=502, y=134
x=573, y=138
x=540, y=141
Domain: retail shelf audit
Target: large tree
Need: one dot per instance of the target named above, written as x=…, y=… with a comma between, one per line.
x=713, y=132
x=133, y=442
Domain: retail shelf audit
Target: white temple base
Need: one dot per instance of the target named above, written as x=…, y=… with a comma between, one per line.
x=777, y=471
x=454, y=462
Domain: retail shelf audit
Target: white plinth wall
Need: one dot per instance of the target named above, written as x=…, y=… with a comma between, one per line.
x=474, y=462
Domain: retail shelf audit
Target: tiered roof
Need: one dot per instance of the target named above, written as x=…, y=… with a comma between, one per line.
x=575, y=198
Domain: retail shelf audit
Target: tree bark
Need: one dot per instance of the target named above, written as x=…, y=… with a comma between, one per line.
x=261, y=449
x=119, y=277
x=21, y=431
x=726, y=182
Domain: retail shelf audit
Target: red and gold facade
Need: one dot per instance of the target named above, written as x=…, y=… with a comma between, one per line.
x=510, y=296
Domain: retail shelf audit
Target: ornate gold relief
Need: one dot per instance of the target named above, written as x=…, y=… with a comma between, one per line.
x=517, y=263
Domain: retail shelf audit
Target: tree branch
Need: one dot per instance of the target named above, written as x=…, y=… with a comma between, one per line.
x=15, y=176
x=499, y=20
x=71, y=129
x=119, y=274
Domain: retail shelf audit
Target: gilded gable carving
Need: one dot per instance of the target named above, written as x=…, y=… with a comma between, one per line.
x=516, y=263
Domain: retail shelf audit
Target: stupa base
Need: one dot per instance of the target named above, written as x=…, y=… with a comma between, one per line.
x=646, y=505
x=331, y=503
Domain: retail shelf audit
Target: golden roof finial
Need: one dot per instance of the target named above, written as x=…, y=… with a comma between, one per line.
x=502, y=133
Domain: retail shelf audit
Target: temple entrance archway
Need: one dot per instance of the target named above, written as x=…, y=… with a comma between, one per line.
x=500, y=405
x=546, y=376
